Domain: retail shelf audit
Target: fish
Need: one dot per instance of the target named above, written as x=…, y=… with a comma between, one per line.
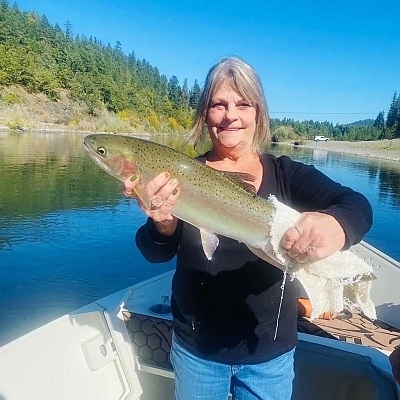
x=223, y=203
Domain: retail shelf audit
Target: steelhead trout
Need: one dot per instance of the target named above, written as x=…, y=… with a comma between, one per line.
x=217, y=204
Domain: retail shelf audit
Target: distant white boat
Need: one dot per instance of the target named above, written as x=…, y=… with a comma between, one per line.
x=118, y=348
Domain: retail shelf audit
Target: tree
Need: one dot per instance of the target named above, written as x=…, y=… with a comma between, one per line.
x=194, y=95
x=380, y=124
x=68, y=29
x=118, y=46
x=393, y=111
x=174, y=91
x=4, y=4
x=393, y=117
x=184, y=103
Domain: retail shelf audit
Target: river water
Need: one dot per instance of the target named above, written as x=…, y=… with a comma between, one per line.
x=67, y=232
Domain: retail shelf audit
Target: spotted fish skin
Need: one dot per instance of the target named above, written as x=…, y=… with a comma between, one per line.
x=218, y=205
x=208, y=199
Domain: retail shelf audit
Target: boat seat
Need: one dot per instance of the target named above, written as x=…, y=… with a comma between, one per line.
x=151, y=339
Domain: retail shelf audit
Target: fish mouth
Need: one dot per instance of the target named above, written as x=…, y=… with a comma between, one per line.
x=96, y=158
x=118, y=167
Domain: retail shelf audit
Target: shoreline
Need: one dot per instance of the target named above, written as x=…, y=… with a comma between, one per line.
x=386, y=149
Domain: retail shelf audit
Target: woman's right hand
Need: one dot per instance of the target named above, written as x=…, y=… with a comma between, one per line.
x=162, y=193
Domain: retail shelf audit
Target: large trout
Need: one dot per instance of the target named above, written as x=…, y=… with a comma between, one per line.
x=217, y=204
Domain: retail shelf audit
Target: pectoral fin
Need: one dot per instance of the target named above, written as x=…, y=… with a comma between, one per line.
x=210, y=243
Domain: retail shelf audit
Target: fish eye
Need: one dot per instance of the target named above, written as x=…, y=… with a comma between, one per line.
x=101, y=151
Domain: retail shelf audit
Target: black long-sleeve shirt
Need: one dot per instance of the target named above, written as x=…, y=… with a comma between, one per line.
x=226, y=309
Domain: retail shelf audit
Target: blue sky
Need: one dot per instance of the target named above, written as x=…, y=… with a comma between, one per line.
x=322, y=60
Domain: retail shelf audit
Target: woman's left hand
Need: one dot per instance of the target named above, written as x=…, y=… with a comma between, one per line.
x=314, y=236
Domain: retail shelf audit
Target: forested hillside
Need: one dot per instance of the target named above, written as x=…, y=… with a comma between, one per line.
x=50, y=61
x=46, y=59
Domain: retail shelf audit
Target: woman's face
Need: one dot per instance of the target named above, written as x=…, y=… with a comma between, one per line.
x=230, y=119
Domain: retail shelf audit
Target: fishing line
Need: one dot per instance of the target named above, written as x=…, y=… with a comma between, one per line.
x=204, y=276
x=200, y=289
x=281, y=301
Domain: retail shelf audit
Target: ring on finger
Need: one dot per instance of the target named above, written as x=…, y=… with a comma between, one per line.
x=156, y=203
x=154, y=207
x=297, y=229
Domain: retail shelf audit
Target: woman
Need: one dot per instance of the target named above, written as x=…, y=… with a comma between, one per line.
x=225, y=309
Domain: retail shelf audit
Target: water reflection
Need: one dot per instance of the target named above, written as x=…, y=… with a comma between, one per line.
x=45, y=173
x=319, y=155
x=389, y=186
x=380, y=175
x=66, y=231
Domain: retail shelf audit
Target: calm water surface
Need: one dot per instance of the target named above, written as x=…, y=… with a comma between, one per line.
x=67, y=232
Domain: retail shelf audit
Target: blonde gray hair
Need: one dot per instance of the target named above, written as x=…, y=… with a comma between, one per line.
x=244, y=79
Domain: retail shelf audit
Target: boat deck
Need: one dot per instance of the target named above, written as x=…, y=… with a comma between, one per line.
x=151, y=335
x=353, y=327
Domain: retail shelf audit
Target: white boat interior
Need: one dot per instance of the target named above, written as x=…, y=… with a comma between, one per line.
x=118, y=348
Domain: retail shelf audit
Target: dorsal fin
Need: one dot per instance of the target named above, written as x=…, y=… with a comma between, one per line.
x=241, y=179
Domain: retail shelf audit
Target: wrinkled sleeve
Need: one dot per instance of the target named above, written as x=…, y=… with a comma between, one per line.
x=311, y=190
x=157, y=248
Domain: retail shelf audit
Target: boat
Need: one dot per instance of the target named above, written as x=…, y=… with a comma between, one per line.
x=118, y=348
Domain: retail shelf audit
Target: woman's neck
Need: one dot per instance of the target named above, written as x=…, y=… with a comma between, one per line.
x=232, y=156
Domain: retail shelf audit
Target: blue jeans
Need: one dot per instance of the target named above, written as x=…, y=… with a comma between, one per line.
x=199, y=379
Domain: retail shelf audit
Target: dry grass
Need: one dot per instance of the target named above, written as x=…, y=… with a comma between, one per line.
x=24, y=111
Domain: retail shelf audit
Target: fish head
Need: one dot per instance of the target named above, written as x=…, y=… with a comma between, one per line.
x=109, y=152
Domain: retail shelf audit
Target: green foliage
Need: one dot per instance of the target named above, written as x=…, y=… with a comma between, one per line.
x=393, y=118
x=283, y=133
x=361, y=130
x=173, y=124
x=379, y=124
x=364, y=130
x=194, y=95
x=129, y=116
x=45, y=59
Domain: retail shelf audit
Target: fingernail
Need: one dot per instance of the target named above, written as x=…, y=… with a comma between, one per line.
x=175, y=191
x=133, y=178
x=167, y=174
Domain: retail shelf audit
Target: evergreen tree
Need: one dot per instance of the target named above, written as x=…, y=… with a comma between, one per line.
x=393, y=111
x=68, y=29
x=118, y=46
x=174, y=91
x=393, y=118
x=195, y=94
x=380, y=124
x=397, y=119
x=184, y=102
